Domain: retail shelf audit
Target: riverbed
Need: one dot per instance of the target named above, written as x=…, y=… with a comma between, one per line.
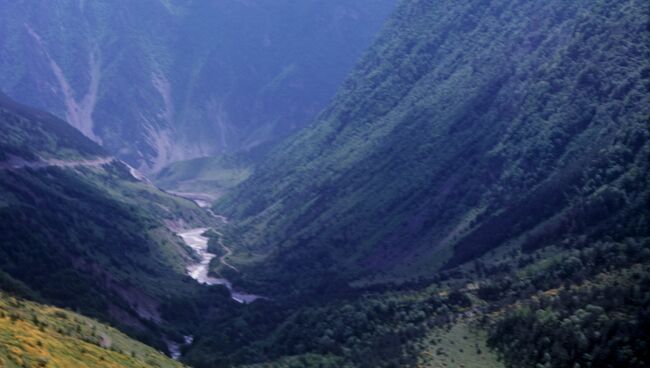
x=200, y=271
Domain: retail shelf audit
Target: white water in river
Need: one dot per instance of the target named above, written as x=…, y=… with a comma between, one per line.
x=175, y=348
x=200, y=271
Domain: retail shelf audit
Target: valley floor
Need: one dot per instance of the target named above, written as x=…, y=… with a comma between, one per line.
x=200, y=271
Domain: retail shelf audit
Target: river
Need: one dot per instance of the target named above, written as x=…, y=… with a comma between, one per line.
x=200, y=270
x=175, y=348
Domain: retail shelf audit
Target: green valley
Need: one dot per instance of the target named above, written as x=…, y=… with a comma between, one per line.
x=79, y=230
x=208, y=177
x=476, y=194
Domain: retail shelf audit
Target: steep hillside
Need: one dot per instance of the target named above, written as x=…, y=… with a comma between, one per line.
x=466, y=127
x=34, y=335
x=29, y=134
x=78, y=230
x=210, y=77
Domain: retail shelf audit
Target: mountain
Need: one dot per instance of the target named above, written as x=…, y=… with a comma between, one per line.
x=463, y=129
x=78, y=229
x=475, y=195
x=34, y=335
x=161, y=81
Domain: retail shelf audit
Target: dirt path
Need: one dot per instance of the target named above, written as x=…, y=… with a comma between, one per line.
x=222, y=259
x=18, y=163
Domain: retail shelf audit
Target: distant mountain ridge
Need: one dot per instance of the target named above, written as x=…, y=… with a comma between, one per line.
x=161, y=81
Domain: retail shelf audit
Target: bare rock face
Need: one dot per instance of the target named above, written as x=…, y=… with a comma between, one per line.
x=215, y=76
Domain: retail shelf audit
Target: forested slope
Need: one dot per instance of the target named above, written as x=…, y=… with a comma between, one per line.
x=78, y=230
x=482, y=176
x=584, y=302
x=464, y=128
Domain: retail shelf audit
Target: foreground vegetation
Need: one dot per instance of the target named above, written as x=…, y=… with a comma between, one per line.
x=33, y=335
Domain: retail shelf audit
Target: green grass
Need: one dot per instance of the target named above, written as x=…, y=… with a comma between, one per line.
x=209, y=175
x=460, y=346
x=300, y=361
x=35, y=335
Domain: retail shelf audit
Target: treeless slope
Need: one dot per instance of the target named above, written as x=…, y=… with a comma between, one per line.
x=34, y=335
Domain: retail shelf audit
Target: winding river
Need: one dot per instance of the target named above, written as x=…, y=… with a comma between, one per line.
x=200, y=270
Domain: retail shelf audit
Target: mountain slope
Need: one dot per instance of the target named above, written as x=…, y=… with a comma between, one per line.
x=31, y=134
x=211, y=77
x=34, y=335
x=578, y=302
x=78, y=230
x=465, y=127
